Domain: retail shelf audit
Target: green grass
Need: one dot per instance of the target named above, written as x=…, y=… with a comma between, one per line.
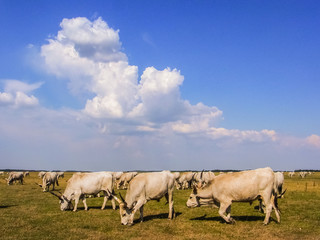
x=28, y=213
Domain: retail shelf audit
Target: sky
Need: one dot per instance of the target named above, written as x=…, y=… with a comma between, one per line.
x=159, y=85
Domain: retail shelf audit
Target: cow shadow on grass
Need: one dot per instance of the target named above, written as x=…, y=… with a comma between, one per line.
x=96, y=207
x=236, y=218
x=7, y=206
x=155, y=216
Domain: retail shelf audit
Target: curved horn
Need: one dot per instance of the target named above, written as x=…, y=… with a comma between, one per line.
x=60, y=197
x=282, y=193
x=121, y=197
x=117, y=199
x=201, y=174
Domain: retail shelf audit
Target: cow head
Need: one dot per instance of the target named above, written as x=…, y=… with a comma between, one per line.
x=126, y=214
x=193, y=200
x=9, y=180
x=65, y=204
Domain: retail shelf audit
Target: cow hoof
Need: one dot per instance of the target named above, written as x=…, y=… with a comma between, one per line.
x=231, y=221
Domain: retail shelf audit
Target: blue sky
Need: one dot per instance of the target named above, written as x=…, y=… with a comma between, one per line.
x=175, y=85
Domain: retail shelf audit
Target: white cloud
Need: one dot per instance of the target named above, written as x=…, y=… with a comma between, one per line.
x=313, y=140
x=93, y=40
x=15, y=94
x=19, y=86
x=6, y=98
x=89, y=55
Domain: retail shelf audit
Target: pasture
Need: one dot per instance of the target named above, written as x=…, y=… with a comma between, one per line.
x=28, y=213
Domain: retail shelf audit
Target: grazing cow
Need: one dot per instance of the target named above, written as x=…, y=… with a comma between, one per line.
x=116, y=176
x=26, y=174
x=291, y=174
x=203, y=178
x=278, y=180
x=15, y=176
x=184, y=181
x=303, y=174
x=41, y=174
x=125, y=178
x=1, y=172
x=60, y=175
x=245, y=186
x=143, y=188
x=49, y=178
x=82, y=184
x=278, y=183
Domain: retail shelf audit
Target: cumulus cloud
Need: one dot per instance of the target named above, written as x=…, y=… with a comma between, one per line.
x=89, y=55
x=16, y=94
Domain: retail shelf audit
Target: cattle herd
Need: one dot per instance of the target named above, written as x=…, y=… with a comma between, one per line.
x=207, y=189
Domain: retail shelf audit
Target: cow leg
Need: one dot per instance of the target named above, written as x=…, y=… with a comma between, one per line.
x=268, y=204
x=275, y=206
x=76, y=201
x=84, y=203
x=222, y=210
x=169, y=197
x=141, y=214
x=228, y=211
x=105, y=199
x=261, y=207
x=113, y=202
x=139, y=204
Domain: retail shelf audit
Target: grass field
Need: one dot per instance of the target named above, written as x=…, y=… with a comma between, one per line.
x=28, y=213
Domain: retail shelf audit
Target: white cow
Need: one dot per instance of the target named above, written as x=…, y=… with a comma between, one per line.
x=291, y=174
x=125, y=178
x=48, y=179
x=82, y=184
x=26, y=173
x=203, y=178
x=184, y=181
x=1, y=172
x=245, y=186
x=60, y=174
x=15, y=176
x=41, y=174
x=278, y=180
x=143, y=188
x=303, y=174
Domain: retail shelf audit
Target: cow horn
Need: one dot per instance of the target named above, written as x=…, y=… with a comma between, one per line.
x=117, y=199
x=60, y=197
x=201, y=174
x=282, y=193
x=121, y=197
